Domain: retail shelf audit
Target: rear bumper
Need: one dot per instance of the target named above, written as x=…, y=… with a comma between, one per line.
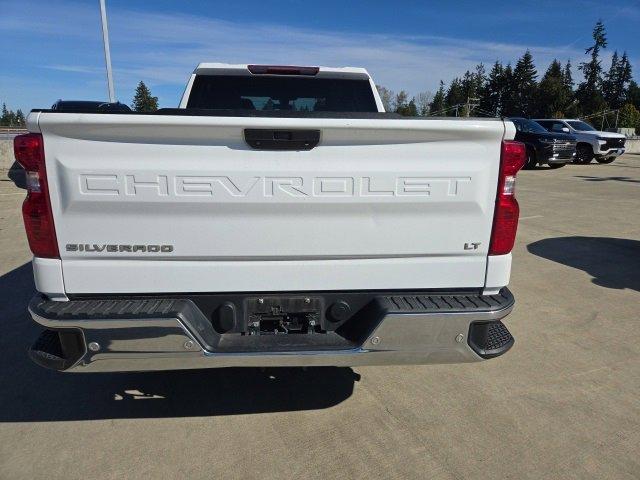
x=165, y=334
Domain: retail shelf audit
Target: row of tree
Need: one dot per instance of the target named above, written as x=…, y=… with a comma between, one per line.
x=9, y=118
x=508, y=90
x=505, y=90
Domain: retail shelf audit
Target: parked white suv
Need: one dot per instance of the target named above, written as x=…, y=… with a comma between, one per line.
x=592, y=143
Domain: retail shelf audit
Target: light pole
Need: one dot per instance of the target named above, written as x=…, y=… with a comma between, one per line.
x=107, y=51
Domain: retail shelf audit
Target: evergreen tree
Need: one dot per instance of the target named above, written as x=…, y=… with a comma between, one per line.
x=20, y=120
x=437, y=105
x=468, y=88
x=468, y=85
x=524, y=85
x=472, y=84
x=567, y=76
x=9, y=118
x=589, y=91
x=143, y=101
x=455, y=97
x=626, y=75
x=616, y=82
x=572, y=109
x=404, y=106
x=554, y=95
x=480, y=84
x=480, y=78
x=4, y=119
x=508, y=106
x=408, y=109
x=492, y=91
x=611, y=79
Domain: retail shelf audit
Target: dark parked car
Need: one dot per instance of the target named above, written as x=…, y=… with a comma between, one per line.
x=543, y=147
x=89, y=106
x=17, y=174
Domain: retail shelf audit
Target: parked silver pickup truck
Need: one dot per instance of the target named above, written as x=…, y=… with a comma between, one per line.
x=277, y=217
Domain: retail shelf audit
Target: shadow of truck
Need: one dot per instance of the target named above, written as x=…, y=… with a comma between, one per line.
x=30, y=393
x=612, y=262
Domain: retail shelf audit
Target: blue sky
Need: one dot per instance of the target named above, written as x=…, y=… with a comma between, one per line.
x=52, y=49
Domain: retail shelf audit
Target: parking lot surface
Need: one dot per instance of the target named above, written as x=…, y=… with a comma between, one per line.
x=563, y=403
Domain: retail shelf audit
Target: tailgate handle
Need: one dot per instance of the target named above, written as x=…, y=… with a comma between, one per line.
x=272, y=139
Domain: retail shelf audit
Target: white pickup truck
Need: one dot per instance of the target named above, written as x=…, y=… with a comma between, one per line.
x=605, y=147
x=278, y=217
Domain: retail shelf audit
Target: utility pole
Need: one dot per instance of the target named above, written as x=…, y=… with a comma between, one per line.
x=107, y=51
x=472, y=103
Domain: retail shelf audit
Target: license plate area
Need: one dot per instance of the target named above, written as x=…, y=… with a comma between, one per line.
x=297, y=315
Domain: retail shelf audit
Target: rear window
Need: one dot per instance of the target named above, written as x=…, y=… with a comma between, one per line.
x=269, y=93
x=528, y=126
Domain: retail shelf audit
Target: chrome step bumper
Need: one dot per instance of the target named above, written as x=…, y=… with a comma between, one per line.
x=173, y=334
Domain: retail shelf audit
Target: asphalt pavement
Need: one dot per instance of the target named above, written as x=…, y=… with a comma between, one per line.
x=563, y=403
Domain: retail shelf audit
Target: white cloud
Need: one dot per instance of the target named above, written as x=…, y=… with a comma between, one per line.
x=414, y=63
x=411, y=63
x=162, y=49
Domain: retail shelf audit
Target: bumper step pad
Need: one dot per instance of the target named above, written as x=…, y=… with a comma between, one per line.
x=47, y=351
x=490, y=339
x=57, y=350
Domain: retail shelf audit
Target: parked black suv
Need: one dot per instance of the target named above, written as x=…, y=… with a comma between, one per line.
x=543, y=147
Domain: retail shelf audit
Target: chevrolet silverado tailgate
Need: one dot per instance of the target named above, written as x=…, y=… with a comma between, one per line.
x=173, y=203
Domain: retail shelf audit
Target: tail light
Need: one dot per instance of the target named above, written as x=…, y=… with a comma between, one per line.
x=36, y=209
x=505, y=219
